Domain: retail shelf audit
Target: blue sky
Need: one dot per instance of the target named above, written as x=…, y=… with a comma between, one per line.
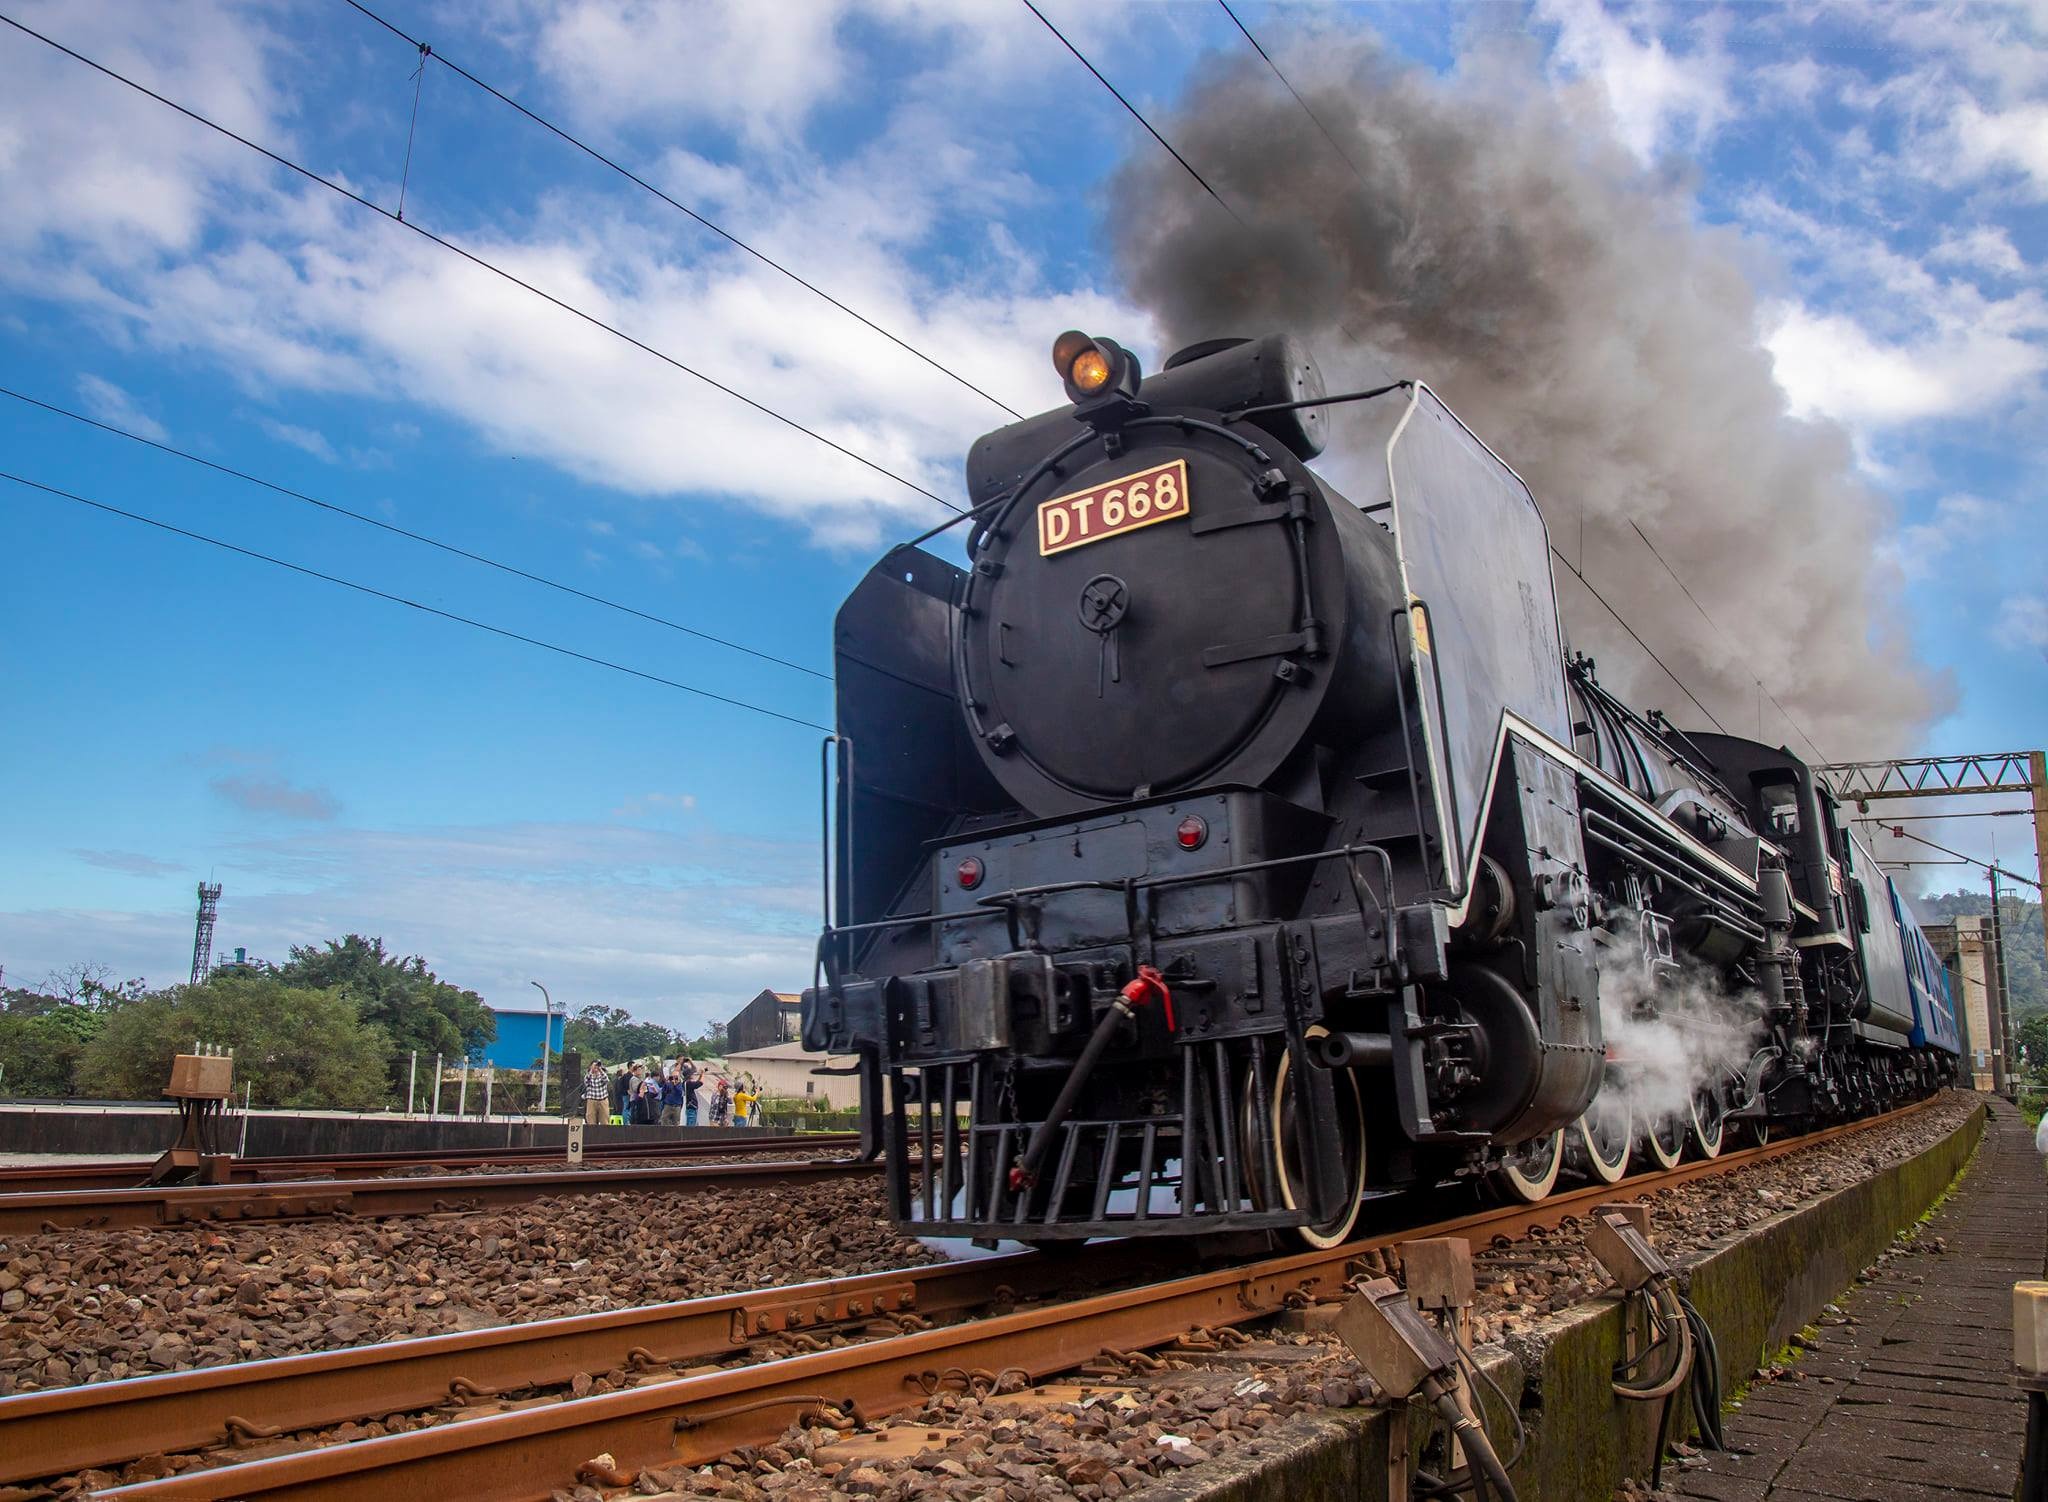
x=341, y=763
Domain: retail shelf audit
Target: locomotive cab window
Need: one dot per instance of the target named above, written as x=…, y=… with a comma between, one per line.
x=1781, y=808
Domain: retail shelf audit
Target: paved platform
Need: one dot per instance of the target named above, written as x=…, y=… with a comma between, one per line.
x=1908, y=1395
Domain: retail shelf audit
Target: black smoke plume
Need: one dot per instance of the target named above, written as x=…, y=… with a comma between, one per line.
x=1470, y=231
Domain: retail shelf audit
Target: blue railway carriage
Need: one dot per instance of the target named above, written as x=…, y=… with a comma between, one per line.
x=1935, y=1029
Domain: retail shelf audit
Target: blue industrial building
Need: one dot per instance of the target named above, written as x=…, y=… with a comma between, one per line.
x=519, y=1035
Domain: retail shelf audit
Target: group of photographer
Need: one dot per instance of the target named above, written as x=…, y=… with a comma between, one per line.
x=636, y=1097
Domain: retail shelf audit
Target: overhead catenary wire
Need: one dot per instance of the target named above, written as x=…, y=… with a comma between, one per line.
x=1989, y=866
x=1135, y=113
x=1811, y=743
x=405, y=532
x=1623, y=623
x=717, y=229
x=1306, y=108
x=479, y=261
x=396, y=599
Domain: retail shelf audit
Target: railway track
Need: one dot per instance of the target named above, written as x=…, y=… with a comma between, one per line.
x=700, y=1414
x=130, y=1173
x=291, y=1199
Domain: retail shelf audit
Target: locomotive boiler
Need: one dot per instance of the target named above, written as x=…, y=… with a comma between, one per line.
x=1217, y=847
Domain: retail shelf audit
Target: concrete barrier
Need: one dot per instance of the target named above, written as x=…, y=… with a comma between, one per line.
x=144, y=1131
x=1755, y=1287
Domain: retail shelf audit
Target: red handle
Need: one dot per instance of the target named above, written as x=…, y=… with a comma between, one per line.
x=1151, y=983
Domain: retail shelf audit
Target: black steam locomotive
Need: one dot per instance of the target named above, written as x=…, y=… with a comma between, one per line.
x=1217, y=847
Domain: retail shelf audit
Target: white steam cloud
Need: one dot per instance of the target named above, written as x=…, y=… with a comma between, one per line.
x=1672, y=1036
x=1568, y=305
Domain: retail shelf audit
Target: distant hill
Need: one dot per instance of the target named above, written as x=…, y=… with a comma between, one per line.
x=2026, y=963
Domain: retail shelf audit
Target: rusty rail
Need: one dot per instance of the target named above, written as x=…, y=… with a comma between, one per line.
x=129, y=1173
x=698, y=1417
x=695, y=1419
x=194, y=1204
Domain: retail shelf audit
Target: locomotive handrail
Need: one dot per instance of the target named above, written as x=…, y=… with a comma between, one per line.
x=1182, y=878
x=1242, y=413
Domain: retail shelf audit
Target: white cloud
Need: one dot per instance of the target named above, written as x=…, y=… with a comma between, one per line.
x=1881, y=340
x=2023, y=623
x=110, y=404
x=645, y=805
x=1995, y=141
x=129, y=863
x=1655, y=98
x=262, y=794
x=756, y=69
x=1966, y=520
x=1986, y=247
x=312, y=442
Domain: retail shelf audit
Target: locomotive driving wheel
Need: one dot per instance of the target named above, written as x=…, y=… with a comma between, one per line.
x=1664, y=1140
x=1529, y=1171
x=1293, y=1176
x=1704, y=1122
x=1606, y=1132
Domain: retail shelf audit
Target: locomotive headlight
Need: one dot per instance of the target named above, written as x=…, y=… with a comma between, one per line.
x=1089, y=372
x=1092, y=368
x=1067, y=349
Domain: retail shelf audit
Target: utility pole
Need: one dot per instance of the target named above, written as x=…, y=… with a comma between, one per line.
x=202, y=938
x=2004, y=990
x=547, y=1028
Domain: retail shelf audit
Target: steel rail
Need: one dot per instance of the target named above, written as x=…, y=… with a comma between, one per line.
x=194, y=1204
x=694, y=1419
x=103, y=1424
x=129, y=1173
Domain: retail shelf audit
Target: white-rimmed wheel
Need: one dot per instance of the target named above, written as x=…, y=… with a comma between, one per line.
x=1704, y=1122
x=1605, y=1135
x=1350, y=1145
x=1529, y=1172
x=1663, y=1140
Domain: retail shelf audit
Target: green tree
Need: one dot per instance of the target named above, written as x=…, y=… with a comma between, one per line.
x=413, y=1007
x=40, y=1044
x=295, y=1046
x=2033, y=1036
x=2026, y=961
x=614, y=1036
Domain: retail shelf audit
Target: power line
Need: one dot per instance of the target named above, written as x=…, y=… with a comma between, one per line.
x=385, y=595
x=398, y=531
x=1305, y=106
x=1623, y=623
x=1135, y=115
x=1810, y=741
x=476, y=260
x=1907, y=834
x=591, y=151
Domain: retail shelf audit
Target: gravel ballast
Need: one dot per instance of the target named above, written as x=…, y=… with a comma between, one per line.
x=96, y=1306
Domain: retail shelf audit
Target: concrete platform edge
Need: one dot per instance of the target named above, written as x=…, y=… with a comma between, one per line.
x=1756, y=1287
